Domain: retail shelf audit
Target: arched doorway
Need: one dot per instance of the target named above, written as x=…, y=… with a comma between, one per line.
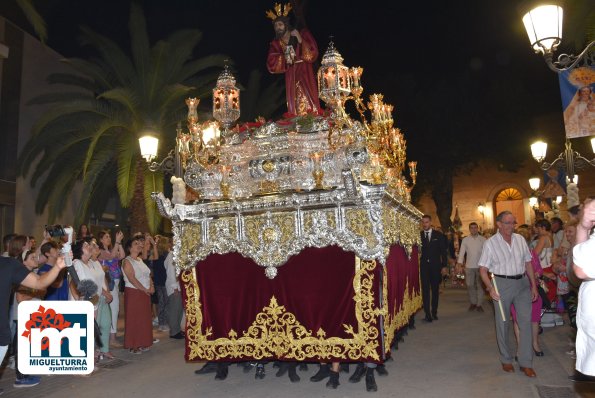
x=512, y=200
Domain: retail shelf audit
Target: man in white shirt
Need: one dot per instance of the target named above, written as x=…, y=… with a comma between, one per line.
x=507, y=256
x=471, y=247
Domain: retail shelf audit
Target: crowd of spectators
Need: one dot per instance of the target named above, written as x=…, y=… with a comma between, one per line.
x=141, y=270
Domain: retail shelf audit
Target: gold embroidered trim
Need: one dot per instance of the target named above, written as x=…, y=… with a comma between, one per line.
x=276, y=332
x=307, y=53
x=279, y=64
x=303, y=105
x=400, y=317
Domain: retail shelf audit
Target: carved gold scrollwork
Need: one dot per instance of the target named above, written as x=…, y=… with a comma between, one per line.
x=399, y=229
x=359, y=223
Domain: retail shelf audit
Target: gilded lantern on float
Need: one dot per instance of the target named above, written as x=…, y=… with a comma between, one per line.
x=333, y=77
x=226, y=99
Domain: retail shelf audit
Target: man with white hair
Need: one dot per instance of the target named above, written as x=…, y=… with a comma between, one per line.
x=506, y=255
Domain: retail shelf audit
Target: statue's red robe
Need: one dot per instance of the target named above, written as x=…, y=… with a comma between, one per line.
x=300, y=83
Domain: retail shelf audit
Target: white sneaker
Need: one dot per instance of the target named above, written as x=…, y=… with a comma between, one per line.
x=155, y=341
x=155, y=321
x=164, y=328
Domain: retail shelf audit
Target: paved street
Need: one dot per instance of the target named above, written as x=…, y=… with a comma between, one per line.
x=453, y=357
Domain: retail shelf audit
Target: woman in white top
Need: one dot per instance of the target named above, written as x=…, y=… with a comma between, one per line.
x=138, y=327
x=545, y=242
x=86, y=267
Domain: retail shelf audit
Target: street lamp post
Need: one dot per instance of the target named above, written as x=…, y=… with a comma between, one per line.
x=544, y=28
x=569, y=160
x=148, y=148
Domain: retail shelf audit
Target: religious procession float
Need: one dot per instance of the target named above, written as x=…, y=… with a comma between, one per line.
x=298, y=241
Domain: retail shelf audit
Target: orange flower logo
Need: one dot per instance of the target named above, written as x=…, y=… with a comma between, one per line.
x=43, y=319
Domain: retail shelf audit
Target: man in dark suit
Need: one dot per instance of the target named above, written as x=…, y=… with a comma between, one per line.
x=433, y=261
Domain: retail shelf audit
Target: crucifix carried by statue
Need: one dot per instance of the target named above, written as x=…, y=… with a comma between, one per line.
x=293, y=52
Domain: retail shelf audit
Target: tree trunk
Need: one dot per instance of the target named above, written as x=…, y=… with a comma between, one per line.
x=138, y=211
x=442, y=196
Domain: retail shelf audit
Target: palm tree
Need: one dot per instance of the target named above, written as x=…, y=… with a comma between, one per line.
x=90, y=133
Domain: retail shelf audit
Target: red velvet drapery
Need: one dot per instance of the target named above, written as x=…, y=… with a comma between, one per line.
x=316, y=289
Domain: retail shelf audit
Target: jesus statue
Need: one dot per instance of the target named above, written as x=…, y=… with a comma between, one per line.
x=293, y=52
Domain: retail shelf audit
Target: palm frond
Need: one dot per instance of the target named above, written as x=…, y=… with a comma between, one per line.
x=198, y=66
x=56, y=188
x=127, y=150
x=71, y=79
x=64, y=96
x=112, y=55
x=101, y=78
x=106, y=126
x=102, y=160
x=123, y=96
x=62, y=153
x=139, y=42
x=181, y=46
x=172, y=96
x=91, y=107
x=34, y=18
x=51, y=139
x=158, y=75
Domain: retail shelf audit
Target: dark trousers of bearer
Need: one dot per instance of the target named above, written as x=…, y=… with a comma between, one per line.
x=430, y=282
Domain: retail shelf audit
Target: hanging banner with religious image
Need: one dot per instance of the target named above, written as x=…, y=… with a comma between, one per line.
x=554, y=183
x=577, y=88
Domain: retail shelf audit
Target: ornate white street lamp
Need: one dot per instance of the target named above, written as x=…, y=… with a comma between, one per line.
x=544, y=28
x=148, y=147
x=534, y=183
x=149, y=143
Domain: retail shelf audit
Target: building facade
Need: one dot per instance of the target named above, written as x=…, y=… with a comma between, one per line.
x=24, y=65
x=486, y=191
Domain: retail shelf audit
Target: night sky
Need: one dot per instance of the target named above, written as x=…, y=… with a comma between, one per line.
x=406, y=48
